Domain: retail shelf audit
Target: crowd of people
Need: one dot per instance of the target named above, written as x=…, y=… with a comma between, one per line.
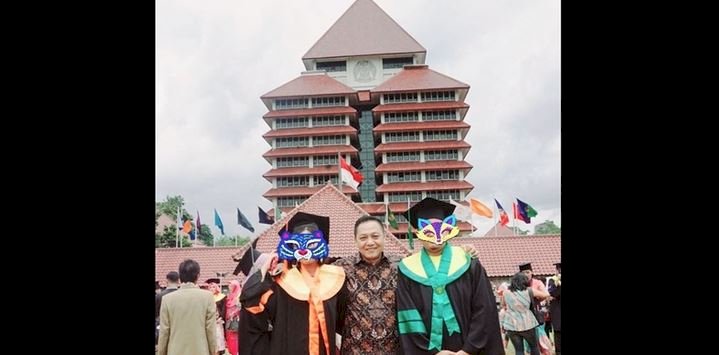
x=438, y=300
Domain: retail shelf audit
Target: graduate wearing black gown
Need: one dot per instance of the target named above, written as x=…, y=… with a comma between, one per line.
x=304, y=311
x=444, y=298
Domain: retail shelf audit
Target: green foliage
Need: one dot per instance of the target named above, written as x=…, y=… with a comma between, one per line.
x=168, y=238
x=225, y=241
x=547, y=227
x=206, y=235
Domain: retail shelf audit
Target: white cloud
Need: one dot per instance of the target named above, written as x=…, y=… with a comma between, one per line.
x=215, y=59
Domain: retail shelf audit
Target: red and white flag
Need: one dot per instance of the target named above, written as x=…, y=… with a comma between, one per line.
x=350, y=175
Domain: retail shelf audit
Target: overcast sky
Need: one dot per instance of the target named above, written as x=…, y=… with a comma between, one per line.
x=216, y=58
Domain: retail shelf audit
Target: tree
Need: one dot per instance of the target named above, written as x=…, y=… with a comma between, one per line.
x=205, y=235
x=226, y=241
x=547, y=227
x=519, y=231
x=168, y=238
x=170, y=205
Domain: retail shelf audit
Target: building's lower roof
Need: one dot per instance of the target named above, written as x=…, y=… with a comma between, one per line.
x=211, y=260
x=421, y=106
x=419, y=77
x=310, y=84
x=302, y=191
x=318, y=170
x=321, y=150
x=420, y=126
x=424, y=186
x=430, y=165
x=415, y=146
x=305, y=112
x=314, y=131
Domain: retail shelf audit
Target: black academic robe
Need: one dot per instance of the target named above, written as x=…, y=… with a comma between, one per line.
x=474, y=307
x=555, y=306
x=288, y=318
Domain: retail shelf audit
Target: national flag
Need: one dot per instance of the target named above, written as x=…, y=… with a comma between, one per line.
x=503, y=217
x=391, y=219
x=461, y=211
x=528, y=210
x=480, y=208
x=349, y=174
x=242, y=220
x=264, y=217
x=187, y=226
x=518, y=215
x=179, y=220
x=218, y=223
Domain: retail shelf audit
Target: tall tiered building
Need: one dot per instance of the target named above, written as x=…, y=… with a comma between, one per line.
x=368, y=95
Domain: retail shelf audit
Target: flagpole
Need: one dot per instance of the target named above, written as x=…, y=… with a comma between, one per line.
x=339, y=172
x=514, y=219
x=497, y=215
x=386, y=214
x=177, y=234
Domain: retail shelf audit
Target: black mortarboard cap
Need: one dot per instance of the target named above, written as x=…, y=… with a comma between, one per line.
x=214, y=279
x=301, y=218
x=525, y=266
x=559, y=264
x=248, y=259
x=429, y=208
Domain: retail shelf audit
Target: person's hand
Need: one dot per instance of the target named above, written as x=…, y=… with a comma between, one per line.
x=266, y=266
x=446, y=352
x=462, y=352
x=471, y=251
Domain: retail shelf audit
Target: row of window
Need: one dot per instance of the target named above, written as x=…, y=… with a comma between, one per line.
x=298, y=181
x=427, y=96
x=300, y=122
x=293, y=142
x=317, y=160
x=341, y=65
x=414, y=136
x=291, y=201
x=415, y=196
x=416, y=176
x=288, y=104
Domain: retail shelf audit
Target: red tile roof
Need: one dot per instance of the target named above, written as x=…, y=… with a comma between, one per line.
x=306, y=112
x=211, y=260
x=430, y=165
x=318, y=170
x=424, y=186
x=322, y=150
x=421, y=106
x=416, y=78
x=413, y=146
x=420, y=126
x=502, y=255
x=314, y=131
x=302, y=191
x=310, y=84
x=364, y=29
x=342, y=212
x=377, y=208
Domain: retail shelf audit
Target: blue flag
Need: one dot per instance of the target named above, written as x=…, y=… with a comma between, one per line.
x=218, y=223
x=264, y=217
x=242, y=220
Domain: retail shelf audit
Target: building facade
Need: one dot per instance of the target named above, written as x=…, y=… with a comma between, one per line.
x=369, y=97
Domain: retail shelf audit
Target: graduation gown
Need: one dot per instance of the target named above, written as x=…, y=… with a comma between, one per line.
x=283, y=306
x=475, y=324
x=555, y=306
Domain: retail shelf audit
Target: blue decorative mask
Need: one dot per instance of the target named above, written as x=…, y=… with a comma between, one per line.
x=302, y=246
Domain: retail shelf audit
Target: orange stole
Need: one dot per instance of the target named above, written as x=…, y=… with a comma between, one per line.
x=328, y=280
